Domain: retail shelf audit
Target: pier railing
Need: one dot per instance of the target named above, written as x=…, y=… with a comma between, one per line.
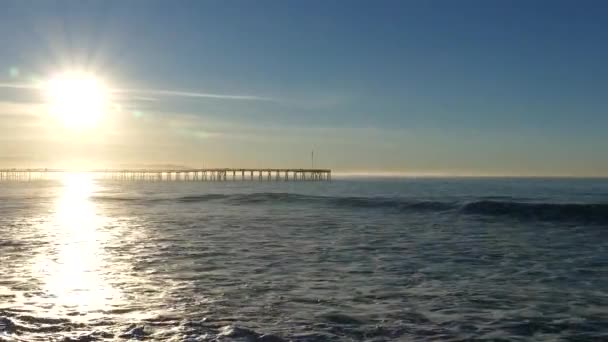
x=213, y=174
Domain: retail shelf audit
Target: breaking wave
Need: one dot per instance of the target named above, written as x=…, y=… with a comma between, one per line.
x=579, y=212
x=499, y=207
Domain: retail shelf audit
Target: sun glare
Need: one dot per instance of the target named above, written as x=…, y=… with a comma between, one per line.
x=77, y=100
x=74, y=270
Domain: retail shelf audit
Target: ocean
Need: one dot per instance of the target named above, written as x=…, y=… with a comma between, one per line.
x=410, y=259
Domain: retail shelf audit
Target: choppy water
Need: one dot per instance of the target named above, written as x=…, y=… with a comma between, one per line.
x=410, y=259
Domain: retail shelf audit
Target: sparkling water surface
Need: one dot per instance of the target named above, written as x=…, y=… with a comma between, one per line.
x=347, y=260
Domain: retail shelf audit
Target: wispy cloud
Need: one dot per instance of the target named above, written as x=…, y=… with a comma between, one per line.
x=19, y=86
x=141, y=93
x=179, y=93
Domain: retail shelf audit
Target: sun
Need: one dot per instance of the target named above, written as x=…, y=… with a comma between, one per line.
x=77, y=100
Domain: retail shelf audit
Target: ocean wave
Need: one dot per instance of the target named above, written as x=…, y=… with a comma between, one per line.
x=578, y=212
x=115, y=199
x=399, y=204
x=497, y=206
x=348, y=202
x=201, y=198
x=272, y=197
x=393, y=203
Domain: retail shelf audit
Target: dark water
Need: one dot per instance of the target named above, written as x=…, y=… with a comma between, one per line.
x=375, y=260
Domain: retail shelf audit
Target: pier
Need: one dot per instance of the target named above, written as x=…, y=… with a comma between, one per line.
x=193, y=175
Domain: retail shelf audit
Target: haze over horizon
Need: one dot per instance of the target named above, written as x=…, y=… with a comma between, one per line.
x=420, y=87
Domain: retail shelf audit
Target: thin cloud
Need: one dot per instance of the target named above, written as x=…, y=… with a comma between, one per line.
x=156, y=92
x=144, y=98
x=18, y=86
x=178, y=93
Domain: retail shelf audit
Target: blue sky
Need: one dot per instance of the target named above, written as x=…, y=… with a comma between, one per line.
x=437, y=87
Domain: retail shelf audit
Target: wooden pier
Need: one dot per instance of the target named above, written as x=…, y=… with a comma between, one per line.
x=194, y=175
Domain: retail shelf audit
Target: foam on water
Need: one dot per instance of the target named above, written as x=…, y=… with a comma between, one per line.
x=349, y=260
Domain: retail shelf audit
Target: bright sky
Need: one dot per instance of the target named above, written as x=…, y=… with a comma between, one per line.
x=422, y=87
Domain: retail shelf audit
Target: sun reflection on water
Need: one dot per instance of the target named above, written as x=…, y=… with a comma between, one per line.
x=74, y=268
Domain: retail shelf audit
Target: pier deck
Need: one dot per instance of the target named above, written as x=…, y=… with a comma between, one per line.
x=213, y=174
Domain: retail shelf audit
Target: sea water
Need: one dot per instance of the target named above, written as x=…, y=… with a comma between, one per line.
x=348, y=260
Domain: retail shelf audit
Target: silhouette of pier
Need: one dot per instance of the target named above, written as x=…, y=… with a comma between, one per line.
x=203, y=175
